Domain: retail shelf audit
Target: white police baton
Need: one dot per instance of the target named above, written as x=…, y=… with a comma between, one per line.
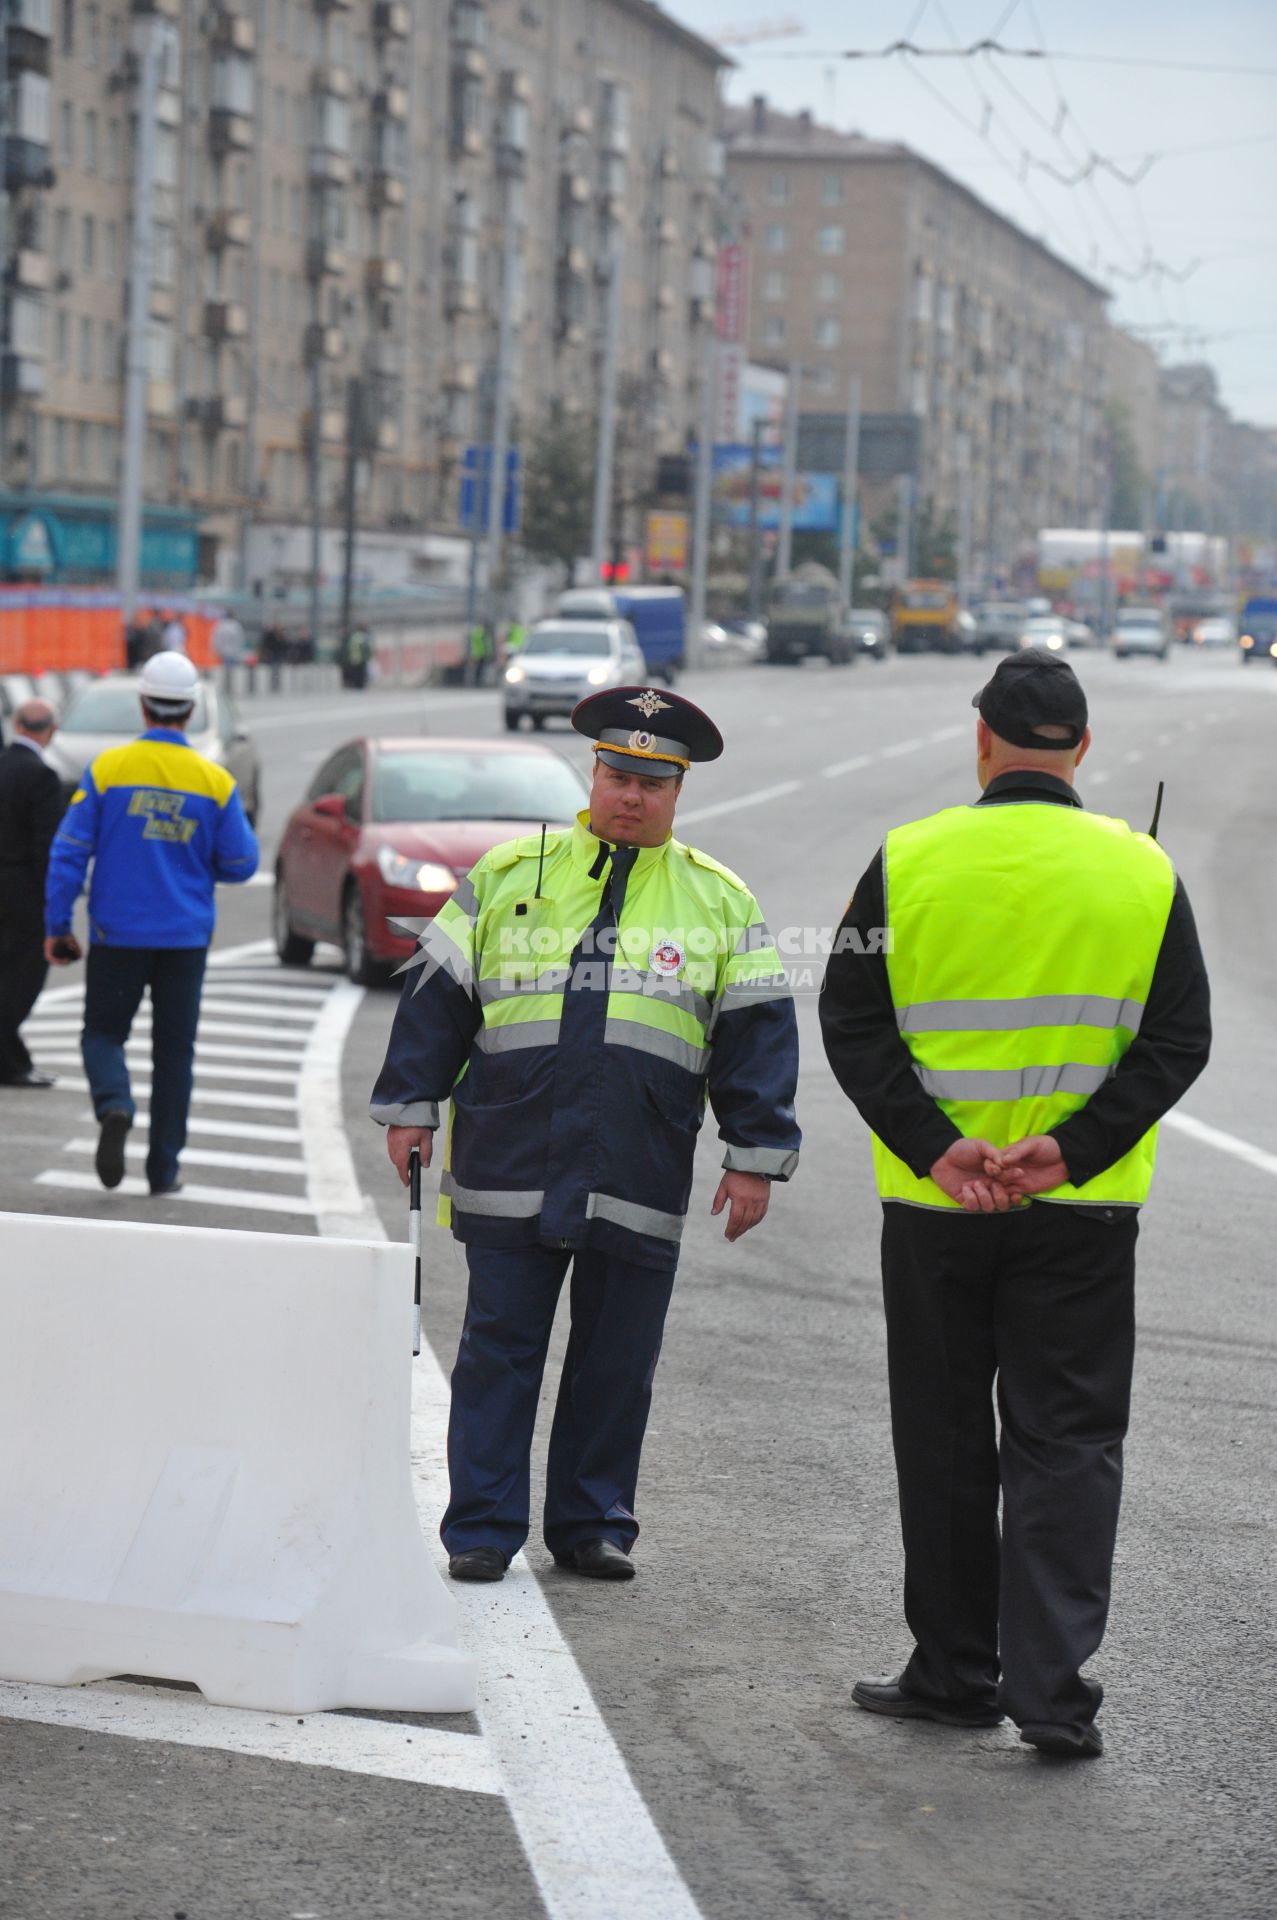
x=414, y=1240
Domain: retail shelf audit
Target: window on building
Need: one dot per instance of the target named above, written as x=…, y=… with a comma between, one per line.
x=111, y=250
x=295, y=222
x=774, y=330
x=26, y=324
x=114, y=150
x=62, y=240
x=89, y=243
x=59, y=447
x=66, y=134
x=828, y=332
x=778, y=189
x=776, y=238
x=90, y=141
x=114, y=42
x=773, y=286
x=82, y=454
x=167, y=150
x=831, y=189
x=86, y=347
x=277, y=205
x=110, y=351
x=823, y=379
x=66, y=27
x=61, y=340
x=829, y=240
x=281, y=114
x=829, y=286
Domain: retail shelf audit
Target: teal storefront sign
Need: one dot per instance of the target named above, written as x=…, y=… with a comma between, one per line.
x=62, y=537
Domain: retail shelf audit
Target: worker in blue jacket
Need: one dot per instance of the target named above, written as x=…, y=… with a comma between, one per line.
x=161, y=825
x=577, y=999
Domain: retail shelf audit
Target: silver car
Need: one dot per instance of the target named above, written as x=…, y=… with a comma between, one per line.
x=1142, y=630
x=562, y=661
x=106, y=712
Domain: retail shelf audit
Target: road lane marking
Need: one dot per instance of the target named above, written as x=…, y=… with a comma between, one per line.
x=948, y=733
x=201, y=1097
x=758, y=798
x=222, y=1030
x=220, y=1129
x=242, y=1197
x=418, y=698
x=853, y=765
x=208, y=1157
x=211, y=1069
x=900, y=746
x=424, y=1756
x=1208, y=1136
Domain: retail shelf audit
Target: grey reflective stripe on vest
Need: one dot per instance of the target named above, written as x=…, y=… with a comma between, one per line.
x=625, y=1213
x=754, y=939
x=502, y=1203
x=663, y=987
x=1007, y=1016
x=1014, y=1083
x=513, y=1034
x=666, y=1046
x=757, y=992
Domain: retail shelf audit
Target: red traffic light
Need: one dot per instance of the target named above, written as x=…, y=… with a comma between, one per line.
x=616, y=572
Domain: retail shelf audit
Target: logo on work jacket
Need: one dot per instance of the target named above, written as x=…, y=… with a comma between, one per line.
x=163, y=811
x=666, y=959
x=650, y=703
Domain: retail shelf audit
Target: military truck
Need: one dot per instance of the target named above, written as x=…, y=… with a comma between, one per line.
x=804, y=617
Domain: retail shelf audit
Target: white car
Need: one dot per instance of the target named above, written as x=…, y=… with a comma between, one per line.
x=1050, y=631
x=1142, y=630
x=1218, y=631
x=1080, y=634
x=105, y=713
x=563, y=660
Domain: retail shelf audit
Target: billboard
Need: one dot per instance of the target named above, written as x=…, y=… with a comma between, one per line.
x=816, y=495
x=665, y=547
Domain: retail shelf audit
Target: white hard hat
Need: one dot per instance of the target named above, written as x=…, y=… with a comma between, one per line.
x=168, y=680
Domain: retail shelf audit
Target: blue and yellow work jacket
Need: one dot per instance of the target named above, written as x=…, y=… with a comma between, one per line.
x=161, y=825
x=578, y=1059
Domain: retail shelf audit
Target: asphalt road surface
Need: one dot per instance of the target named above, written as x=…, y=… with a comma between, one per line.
x=686, y=1745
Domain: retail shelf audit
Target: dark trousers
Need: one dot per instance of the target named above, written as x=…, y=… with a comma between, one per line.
x=1043, y=1302
x=115, y=980
x=618, y=1317
x=22, y=974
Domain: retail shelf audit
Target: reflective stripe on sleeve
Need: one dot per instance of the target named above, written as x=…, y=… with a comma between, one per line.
x=778, y=1163
x=1003, y=1016
x=415, y=1113
x=1024, y=1083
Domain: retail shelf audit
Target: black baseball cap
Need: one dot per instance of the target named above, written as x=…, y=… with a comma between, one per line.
x=1032, y=689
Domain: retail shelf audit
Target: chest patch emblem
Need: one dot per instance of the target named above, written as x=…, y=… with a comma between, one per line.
x=666, y=959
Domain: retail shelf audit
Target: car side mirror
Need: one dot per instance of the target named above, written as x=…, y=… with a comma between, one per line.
x=331, y=805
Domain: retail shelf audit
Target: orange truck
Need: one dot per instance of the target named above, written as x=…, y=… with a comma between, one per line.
x=924, y=617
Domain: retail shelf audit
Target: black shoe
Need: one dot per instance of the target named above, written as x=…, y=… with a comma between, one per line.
x=1065, y=1742
x=597, y=1560
x=889, y=1697
x=109, y=1159
x=32, y=1077
x=162, y=1193
x=477, y=1563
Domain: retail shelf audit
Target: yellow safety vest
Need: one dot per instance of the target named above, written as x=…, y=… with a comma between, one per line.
x=1023, y=939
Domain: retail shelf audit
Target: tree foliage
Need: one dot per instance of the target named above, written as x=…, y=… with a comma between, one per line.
x=558, y=487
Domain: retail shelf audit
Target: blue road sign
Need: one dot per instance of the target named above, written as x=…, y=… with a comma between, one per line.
x=476, y=473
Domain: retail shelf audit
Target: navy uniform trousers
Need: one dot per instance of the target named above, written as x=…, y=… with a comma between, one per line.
x=618, y=1316
x=1044, y=1302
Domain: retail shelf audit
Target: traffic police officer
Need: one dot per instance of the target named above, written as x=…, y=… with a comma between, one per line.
x=577, y=998
x=1041, y=1003
x=161, y=825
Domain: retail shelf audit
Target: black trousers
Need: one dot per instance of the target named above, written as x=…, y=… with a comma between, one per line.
x=1042, y=1302
x=22, y=974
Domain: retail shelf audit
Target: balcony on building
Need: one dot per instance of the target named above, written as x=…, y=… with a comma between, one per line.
x=330, y=126
x=158, y=9
x=333, y=6
x=161, y=398
x=390, y=103
x=391, y=20
x=322, y=343
x=219, y=413
x=332, y=426
x=384, y=275
x=27, y=157
x=325, y=260
x=225, y=320
x=514, y=122
x=29, y=270
x=228, y=227
x=614, y=119
x=468, y=26
x=234, y=32
x=30, y=35
x=21, y=376
x=468, y=96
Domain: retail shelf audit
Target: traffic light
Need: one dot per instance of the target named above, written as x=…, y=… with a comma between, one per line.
x=616, y=572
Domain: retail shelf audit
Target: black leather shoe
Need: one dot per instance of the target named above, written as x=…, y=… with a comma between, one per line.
x=1064, y=1742
x=31, y=1078
x=597, y=1560
x=477, y=1563
x=162, y=1193
x=109, y=1159
x=889, y=1697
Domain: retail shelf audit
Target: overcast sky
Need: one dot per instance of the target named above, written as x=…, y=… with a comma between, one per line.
x=1217, y=207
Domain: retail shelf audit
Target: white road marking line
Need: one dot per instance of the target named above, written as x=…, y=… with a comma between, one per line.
x=853, y=765
x=340, y=1208
x=231, y=987
x=133, y=1188
x=424, y=1756
x=208, y=1157
x=567, y=1785
x=901, y=746
x=418, y=699
x=231, y=1007
x=248, y=950
x=758, y=798
x=1209, y=1136
x=1095, y=779
x=224, y=1030
x=202, y=1096
x=1134, y=755
x=948, y=733
x=221, y=1129
x=209, y=1069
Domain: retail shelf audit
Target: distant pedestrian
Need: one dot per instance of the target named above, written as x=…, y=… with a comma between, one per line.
x=1019, y=998
x=174, y=634
x=356, y=653
x=479, y=653
x=229, y=644
x=161, y=825
x=30, y=809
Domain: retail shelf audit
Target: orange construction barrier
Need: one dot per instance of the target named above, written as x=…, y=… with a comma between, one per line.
x=53, y=630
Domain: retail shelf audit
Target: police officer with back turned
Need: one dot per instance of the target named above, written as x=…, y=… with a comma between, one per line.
x=1042, y=1002
x=579, y=995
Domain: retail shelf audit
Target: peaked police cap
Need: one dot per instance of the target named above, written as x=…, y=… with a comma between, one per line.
x=638, y=730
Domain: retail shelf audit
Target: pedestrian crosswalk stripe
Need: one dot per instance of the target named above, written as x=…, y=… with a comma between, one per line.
x=244, y=1199
x=209, y=1157
x=222, y=1129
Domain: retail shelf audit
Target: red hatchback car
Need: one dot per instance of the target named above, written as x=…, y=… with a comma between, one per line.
x=389, y=827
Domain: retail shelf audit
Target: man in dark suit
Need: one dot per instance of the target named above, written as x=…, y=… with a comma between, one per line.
x=30, y=809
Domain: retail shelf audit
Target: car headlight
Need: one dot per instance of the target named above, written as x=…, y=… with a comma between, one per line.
x=1055, y=641
x=599, y=676
x=426, y=876
x=514, y=674
x=1247, y=641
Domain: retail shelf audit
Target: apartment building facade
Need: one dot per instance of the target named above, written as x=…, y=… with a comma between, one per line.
x=868, y=260
x=334, y=184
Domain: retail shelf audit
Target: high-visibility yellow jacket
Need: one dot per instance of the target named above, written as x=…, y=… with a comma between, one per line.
x=592, y=1146
x=1022, y=946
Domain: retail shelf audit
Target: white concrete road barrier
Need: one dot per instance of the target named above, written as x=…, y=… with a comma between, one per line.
x=206, y=1477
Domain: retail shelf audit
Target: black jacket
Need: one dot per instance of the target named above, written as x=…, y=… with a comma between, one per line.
x=874, y=1066
x=30, y=809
